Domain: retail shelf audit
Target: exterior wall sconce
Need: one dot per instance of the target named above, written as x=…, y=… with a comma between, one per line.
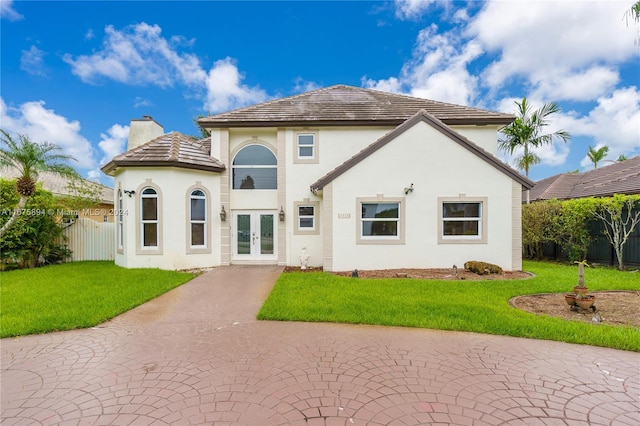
x=223, y=214
x=408, y=189
x=281, y=214
x=130, y=193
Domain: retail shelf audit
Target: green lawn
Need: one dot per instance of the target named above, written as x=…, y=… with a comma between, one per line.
x=478, y=306
x=76, y=295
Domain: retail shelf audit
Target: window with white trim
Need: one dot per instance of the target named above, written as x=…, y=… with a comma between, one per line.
x=306, y=145
x=198, y=218
x=306, y=218
x=255, y=167
x=461, y=220
x=380, y=220
x=149, y=217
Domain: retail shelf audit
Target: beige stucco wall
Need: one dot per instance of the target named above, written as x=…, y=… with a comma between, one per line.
x=486, y=137
x=439, y=168
x=175, y=185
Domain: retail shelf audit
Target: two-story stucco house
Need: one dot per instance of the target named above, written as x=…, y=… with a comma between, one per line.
x=340, y=177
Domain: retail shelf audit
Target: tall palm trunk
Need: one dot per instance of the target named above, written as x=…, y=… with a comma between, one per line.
x=16, y=212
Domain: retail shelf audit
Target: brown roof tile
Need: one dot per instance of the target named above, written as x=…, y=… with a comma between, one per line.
x=407, y=124
x=619, y=178
x=173, y=149
x=348, y=105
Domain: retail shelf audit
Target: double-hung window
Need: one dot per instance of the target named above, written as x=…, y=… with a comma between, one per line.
x=380, y=221
x=462, y=220
x=306, y=218
x=306, y=147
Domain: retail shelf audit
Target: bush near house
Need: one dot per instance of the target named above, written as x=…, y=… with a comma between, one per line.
x=571, y=223
x=35, y=238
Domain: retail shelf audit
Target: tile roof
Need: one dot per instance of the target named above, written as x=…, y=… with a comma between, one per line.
x=619, y=178
x=173, y=149
x=348, y=105
x=423, y=116
x=59, y=185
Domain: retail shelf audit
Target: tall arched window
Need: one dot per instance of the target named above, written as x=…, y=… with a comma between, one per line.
x=255, y=167
x=149, y=217
x=198, y=218
x=120, y=213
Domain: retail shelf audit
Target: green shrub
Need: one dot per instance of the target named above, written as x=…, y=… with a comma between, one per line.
x=482, y=268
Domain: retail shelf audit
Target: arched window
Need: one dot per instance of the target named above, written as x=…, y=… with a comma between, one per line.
x=255, y=167
x=149, y=222
x=198, y=218
x=120, y=213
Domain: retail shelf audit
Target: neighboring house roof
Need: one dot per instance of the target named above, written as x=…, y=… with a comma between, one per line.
x=59, y=185
x=425, y=117
x=619, y=178
x=173, y=149
x=348, y=105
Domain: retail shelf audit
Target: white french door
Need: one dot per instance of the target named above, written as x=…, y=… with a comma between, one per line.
x=254, y=235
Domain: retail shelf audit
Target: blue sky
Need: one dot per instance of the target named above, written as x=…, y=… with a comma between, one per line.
x=76, y=73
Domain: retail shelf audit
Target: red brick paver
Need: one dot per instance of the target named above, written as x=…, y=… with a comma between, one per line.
x=196, y=355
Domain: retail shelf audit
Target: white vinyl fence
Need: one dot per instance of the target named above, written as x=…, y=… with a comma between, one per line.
x=91, y=240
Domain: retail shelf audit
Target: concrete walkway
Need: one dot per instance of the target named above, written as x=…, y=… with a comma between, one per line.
x=197, y=356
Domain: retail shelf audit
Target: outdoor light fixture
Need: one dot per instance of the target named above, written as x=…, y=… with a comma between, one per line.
x=130, y=193
x=408, y=189
x=223, y=214
x=281, y=214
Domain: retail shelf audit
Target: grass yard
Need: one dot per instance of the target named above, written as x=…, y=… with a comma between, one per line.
x=478, y=306
x=76, y=295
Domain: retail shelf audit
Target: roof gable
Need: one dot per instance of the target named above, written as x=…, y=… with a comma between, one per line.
x=348, y=105
x=173, y=149
x=422, y=116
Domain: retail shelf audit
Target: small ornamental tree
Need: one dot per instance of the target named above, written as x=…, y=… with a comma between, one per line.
x=571, y=227
x=620, y=220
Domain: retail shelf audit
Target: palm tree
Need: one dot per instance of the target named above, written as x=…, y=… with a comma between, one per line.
x=29, y=158
x=526, y=132
x=596, y=155
x=621, y=157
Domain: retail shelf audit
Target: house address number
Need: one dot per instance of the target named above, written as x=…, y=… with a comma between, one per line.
x=344, y=215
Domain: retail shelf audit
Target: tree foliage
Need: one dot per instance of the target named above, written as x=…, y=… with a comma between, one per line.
x=29, y=159
x=527, y=132
x=620, y=220
x=36, y=235
x=538, y=221
x=597, y=155
x=569, y=224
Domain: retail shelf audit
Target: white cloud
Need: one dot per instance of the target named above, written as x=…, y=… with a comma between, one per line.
x=614, y=122
x=301, y=85
x=44, y=125
x=7, y=11
x=137, y=55
x=535, y=37
x=438, y=69
x=113, y=142
x=224, y=88
x=140, y=55
x=412, y=9
x=32, y=61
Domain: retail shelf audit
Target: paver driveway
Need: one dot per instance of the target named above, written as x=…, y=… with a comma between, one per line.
x=197, y=356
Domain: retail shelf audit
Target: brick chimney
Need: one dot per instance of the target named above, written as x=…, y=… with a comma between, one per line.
x=142, y=130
